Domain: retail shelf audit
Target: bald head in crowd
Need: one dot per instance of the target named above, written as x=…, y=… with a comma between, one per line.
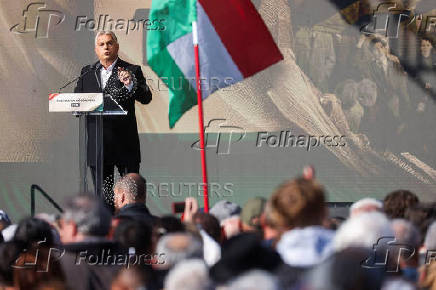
x=131, y=188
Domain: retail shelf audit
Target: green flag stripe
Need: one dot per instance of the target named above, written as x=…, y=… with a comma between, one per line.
x=178, y=15
x=182, y=96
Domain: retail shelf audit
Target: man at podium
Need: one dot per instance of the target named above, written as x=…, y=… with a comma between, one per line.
x=121, y=84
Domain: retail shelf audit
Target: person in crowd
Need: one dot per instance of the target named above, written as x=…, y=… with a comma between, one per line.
x=421, y=215
x=365, y=205
x=130, y=197
x=191, y=274
x=396, y=203
x=255, y=279
x=228, y=214
x=427, y=277
x=37, y=268
x=9, y=253
x=209, y=224
x=134, y=236
x=243, y=253
x=344, y=271
x=35, y=231
x=363, y=230
x=427, y=61
x=408, y=235
x=347, y=92
x=4, y=220
x=393, y=100
x=132, y=278
x=7, y=229
x=251, y=214
x=297, y=209
x=177, y=247
x=333, y=222
x=88, y=254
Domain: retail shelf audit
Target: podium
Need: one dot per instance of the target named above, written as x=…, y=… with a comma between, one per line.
x=91, y=110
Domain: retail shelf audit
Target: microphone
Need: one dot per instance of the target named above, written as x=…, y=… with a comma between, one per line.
x=95, y=67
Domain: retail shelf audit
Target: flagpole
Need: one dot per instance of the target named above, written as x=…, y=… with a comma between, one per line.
x=200, y=116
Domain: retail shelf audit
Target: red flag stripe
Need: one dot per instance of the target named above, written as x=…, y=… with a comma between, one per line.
x=243, y=33
x=51, y=96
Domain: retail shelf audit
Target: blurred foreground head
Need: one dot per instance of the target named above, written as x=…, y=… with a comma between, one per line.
x=190, y=274
x=343, y=271
x=176, y=247
x=296, y=204
x=84, y=216
x=364, y=230
x=365, y=205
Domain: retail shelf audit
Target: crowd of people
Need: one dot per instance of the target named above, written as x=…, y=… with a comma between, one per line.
x=376, y=81
x=292, y=240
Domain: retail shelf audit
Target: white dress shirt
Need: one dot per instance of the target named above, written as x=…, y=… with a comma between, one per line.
x=105, y=74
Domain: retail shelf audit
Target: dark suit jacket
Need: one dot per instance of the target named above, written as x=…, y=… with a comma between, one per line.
x=120, y=133
x=137, y=211
x=90, y=265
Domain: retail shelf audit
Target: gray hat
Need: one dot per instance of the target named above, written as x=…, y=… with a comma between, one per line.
x=225, y=209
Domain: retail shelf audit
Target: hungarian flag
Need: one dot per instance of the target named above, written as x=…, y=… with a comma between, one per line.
x=233, y=42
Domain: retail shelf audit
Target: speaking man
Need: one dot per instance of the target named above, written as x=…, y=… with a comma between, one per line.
x=125, y=84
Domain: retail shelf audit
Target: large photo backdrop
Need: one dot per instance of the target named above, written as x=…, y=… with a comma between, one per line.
x=354, y=97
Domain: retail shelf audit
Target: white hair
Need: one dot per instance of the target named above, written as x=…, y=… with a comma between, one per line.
x=253, y=280
x=188, y=275
x=430, y=237
x=363, y=204
x=178, y=247
x=106, y=32
x=363, y=230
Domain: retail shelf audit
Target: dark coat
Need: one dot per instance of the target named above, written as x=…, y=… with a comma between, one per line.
x=120, y=133
x=137, y=211
x=90, y=265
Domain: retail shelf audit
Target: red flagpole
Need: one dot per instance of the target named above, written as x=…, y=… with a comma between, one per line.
x=200, y=116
